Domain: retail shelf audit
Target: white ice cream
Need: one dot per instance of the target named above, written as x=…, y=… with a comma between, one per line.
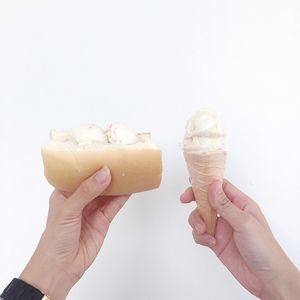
x=205, y=133
x=61, y=136
x=84, y=135
x=121, y=134
x=89, y=134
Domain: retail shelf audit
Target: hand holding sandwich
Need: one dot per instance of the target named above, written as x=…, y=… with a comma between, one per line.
x=76, y=228
x=79, y=217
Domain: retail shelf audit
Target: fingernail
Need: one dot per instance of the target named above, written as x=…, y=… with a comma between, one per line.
x=102, y=175
x=199, y=227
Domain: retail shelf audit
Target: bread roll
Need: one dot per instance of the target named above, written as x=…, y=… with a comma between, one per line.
x=72, y=156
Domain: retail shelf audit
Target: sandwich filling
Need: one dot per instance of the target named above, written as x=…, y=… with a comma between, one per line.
x=94, y=137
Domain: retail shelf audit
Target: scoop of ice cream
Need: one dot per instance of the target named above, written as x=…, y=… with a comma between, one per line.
x=205, y=132
x=121, y=134
x=61, y=135
x=89, y=134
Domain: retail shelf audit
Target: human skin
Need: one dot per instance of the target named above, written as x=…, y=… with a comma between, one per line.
x=245, y=244
x=75, y=231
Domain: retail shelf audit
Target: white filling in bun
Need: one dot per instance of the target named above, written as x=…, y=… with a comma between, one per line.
x=71, y=156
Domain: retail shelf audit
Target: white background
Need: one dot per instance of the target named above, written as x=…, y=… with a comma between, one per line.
x=150, y=64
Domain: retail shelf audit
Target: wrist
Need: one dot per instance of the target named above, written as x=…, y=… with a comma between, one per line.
x=53, y=284
x=42, y=273
x=285, y=286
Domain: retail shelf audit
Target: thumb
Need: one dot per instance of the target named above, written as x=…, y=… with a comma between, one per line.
x=89, y=189
x=223, y=206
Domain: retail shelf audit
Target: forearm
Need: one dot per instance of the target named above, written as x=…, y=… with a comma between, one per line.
x=284, y=287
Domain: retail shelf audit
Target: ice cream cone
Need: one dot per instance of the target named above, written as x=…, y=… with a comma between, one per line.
x=203, y=169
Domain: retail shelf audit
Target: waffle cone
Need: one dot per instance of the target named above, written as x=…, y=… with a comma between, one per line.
x=203, y=169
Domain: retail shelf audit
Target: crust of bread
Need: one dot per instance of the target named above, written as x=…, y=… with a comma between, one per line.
x=132, y=170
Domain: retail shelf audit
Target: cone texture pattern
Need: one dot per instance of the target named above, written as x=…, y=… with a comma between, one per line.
x=203, y=169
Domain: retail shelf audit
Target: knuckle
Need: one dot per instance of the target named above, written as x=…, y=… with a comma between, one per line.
x=55, y=196
x=88, y=187
x=195, y=237
x=224, y=201
x=199, y=239
x=254, y=210
x=192, y=218
x=51, y=199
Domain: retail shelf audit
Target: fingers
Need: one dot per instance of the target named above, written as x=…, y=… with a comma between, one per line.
x=199, y=234
x=56, y=196
x=100, y=212
x=196, y=222
x=187, y=196
x=243, y=202
x=229, y=211
x=113, y=206
x=66, y=194
x=89, y=190
x=204, y=239
x=235, y=195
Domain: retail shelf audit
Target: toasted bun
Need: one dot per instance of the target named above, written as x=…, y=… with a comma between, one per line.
x=132, y=169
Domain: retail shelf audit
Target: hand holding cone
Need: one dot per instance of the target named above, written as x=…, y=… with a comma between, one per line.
x=205, y=154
